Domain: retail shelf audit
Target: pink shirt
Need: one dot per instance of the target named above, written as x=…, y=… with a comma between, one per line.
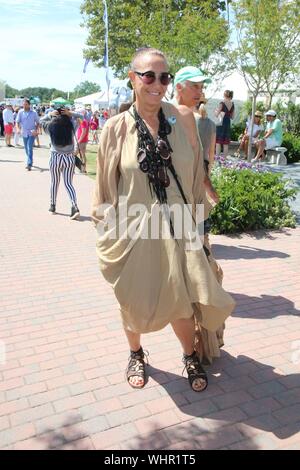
x=84, y=125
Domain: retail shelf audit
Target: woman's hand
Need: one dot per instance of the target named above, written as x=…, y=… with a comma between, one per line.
x=66, y=112
x=210, y=191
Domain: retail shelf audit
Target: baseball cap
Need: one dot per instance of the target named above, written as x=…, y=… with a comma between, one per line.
x=192, y=74
x=258, y=114
x=271, y=112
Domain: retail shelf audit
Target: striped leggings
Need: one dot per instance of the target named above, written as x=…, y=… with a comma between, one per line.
x=65, y=163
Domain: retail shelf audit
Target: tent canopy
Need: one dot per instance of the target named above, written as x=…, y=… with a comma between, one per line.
x=60, y=100
x=92, y=99
x=102, y=100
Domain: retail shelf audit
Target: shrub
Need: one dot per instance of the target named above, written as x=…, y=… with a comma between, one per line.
x=290, y=117
x=251, y=200
x=292, y=143
x=237, y=130
x=246, y=110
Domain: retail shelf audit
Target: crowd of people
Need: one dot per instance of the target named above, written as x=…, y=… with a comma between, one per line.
x=9, y=128
x=69, y=133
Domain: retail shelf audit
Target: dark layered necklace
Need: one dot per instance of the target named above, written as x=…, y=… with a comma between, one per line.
x=154, y=157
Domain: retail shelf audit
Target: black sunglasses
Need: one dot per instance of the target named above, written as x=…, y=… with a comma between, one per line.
x=149, y=77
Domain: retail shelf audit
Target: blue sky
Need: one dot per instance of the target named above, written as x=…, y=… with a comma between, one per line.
x=42, y=44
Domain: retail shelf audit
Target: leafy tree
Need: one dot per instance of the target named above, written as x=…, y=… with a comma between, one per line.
x=282, y=52
x=45, y=94
x=290, y=114
x=10, y=92
x=85, y=88
x=189, y=31
x=264, y=29
x=247, y=108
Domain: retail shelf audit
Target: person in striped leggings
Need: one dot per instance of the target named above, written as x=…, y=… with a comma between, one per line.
x=59, y=124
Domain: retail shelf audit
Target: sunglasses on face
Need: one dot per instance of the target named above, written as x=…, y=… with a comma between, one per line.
x=149, y=77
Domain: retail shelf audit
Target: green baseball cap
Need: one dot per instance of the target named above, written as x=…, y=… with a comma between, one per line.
x=193, y=74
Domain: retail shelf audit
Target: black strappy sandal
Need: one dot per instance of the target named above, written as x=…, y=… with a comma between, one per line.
x=194, y=370
x=136, y=366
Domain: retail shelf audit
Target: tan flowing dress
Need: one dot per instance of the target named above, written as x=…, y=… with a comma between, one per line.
x=156, y=281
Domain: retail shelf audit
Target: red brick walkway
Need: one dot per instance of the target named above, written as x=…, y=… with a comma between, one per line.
x=62, y=380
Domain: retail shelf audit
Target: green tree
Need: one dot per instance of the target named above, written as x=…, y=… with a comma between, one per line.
x=44, y=94
x=85, y=88
x=282, y=52
x=10, y=92
x=189, y=31
x=264, y=29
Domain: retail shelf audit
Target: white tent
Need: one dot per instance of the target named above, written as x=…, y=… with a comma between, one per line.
x=95, y=100
x=100, y=100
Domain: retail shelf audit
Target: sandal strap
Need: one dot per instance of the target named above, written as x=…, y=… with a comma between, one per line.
x=136, y=364
x=193, y=367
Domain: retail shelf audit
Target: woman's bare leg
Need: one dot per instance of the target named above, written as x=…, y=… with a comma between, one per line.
x=134, y=341
x=261, y=144
x=184, y=329
x=225, y=150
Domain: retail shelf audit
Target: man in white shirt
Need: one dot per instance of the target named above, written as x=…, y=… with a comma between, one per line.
x=8, y=119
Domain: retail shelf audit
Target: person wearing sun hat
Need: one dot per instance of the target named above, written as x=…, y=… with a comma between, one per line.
x=256, y=130
x=272, y=137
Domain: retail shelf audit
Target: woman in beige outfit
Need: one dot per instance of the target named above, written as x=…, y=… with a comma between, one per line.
x=150, y=154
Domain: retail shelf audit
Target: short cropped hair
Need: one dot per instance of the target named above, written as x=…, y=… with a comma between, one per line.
x=144, y=51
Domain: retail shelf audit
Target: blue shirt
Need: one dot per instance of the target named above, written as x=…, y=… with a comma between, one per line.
x=28, y=120
x=277, y=130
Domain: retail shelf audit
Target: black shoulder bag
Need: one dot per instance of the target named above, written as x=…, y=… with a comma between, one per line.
x=78, y=161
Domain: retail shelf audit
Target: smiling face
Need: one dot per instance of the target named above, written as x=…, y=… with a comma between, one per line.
x=149, y=95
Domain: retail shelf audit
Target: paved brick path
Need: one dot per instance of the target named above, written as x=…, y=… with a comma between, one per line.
x=62, y=384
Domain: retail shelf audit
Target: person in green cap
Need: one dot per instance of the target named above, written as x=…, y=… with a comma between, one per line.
x=189, y=83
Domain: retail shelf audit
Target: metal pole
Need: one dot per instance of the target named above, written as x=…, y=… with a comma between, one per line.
x=227, y=9
x=106, y=60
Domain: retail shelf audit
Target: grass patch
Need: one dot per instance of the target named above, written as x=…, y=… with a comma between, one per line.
x=91, y=157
